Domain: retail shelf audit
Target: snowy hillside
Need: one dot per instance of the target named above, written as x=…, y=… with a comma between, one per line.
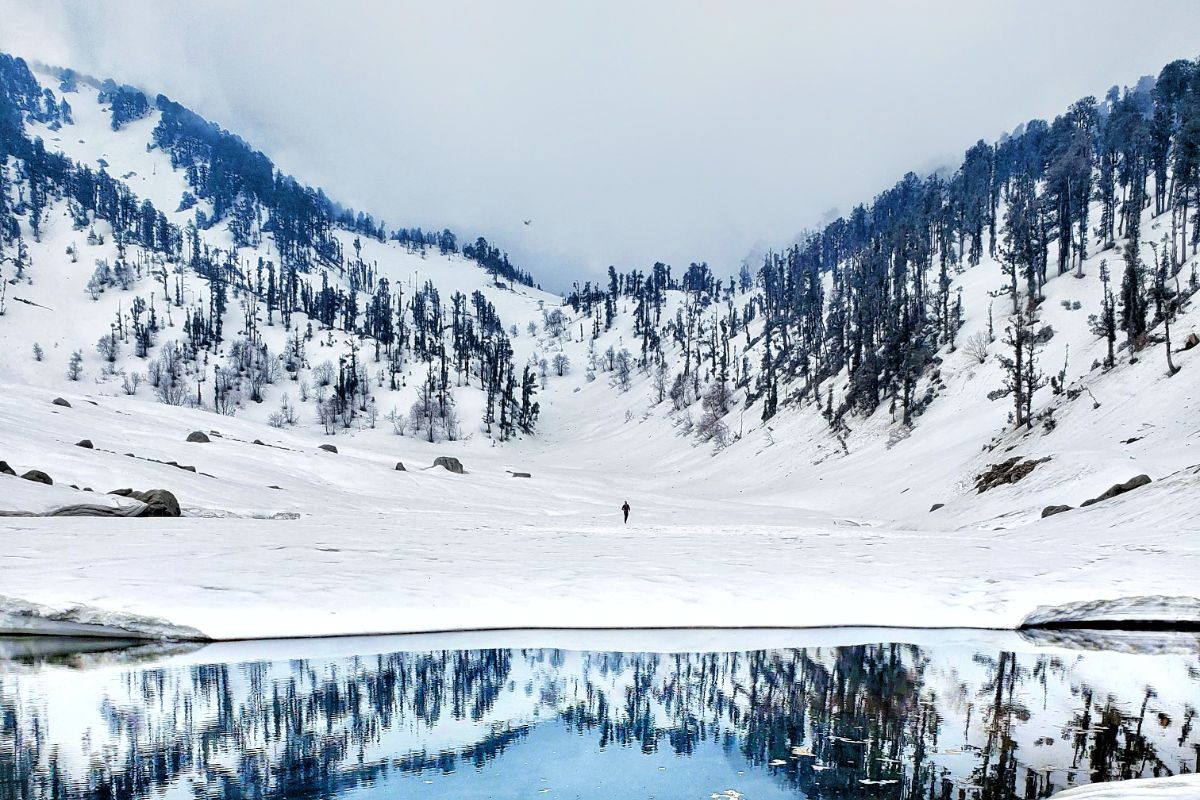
x=65, y=303
x=801, y=421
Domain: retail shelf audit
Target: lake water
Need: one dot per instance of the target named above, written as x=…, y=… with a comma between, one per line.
x=753, y=715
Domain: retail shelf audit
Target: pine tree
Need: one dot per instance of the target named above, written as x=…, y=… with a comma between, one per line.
x=1021, y=376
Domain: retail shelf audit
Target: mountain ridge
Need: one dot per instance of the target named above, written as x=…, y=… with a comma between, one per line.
x=858, y=332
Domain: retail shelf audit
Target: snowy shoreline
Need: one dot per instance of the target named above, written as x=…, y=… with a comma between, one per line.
x=99, y=651
x=1180, y=787
x=226, y=579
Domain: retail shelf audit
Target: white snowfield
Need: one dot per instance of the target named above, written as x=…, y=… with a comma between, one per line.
x=787, y=526
x=376, y=550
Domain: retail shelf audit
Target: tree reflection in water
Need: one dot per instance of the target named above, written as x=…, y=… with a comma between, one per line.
x=883, y=720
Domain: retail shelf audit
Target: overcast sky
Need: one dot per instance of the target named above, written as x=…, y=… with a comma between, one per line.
x=628, y=132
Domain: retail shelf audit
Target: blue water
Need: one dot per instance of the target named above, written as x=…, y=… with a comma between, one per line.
x=552, y=762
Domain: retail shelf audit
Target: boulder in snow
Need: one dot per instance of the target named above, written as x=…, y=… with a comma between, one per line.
x=5, y=469
x=935, y=507
x=85, y=443
x=159, y=502
x=400, y=467
x=198, y=437
x=450, y=463
x=521, y=475
x=58, y=401
x=1050, y=511
x=1119, y=488
x=37, y=476
x=328, y=448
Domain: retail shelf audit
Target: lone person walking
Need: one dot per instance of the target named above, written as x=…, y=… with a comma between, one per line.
x=625, y=508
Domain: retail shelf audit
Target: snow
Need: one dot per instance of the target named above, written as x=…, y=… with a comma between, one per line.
x=451, y=571
x=1120, y=610
x=374, y=550
x=786, y=526
x=28, y=498
x=1183, y=787
x=21, y=618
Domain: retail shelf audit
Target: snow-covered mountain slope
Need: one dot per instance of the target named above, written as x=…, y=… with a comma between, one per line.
x=764, y=519
x=52, y=307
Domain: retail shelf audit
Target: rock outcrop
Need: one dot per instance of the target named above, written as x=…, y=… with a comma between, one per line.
x=159, y=502
x=1119, y=488
x=1009, y=471
x=449, y=463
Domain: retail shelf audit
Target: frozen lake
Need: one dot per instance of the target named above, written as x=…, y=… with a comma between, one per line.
x=845, y=713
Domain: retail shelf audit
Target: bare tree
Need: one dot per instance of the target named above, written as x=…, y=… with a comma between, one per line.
x=976, y=346
x=661, y=370
x=623, y=367
x=327, y=414
x=424, y=411
x=172, y=391
x=324, y=373
x=130, y=381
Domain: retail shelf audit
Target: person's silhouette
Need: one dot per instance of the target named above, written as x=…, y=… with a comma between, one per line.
x=625, y=508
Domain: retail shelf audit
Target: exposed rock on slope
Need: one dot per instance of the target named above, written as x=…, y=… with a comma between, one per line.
x=1010, y=471
x=1135, y=482
x=37, y=476
x=449, y=463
